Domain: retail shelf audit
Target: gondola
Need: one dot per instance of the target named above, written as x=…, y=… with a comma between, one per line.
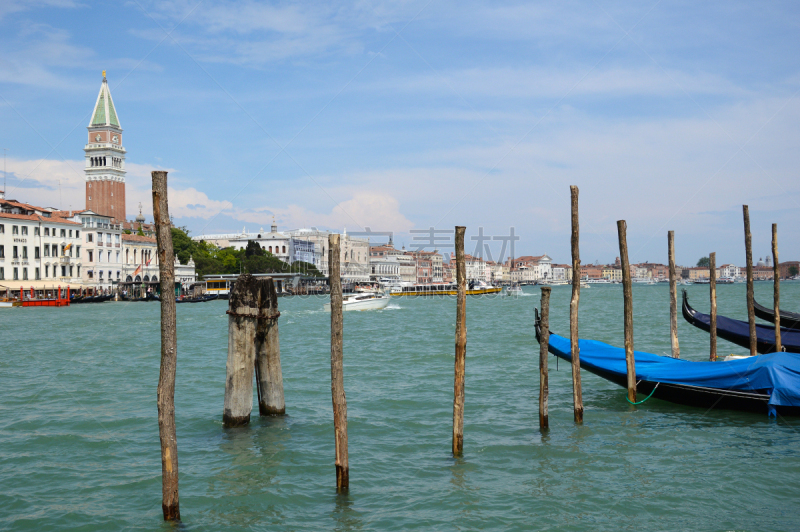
x=90, y=299
x=738, y=332
x=765, y=384
x=790, y=320
x=200, y=299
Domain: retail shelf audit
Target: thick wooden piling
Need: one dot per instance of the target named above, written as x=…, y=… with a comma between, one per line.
x=337, y=365
x=242, y=325
x=673, y=297
x=712, y=285
x=544, y=340
x=269, y=376
x=169, y=351
x=776, y=288
x=627, y=294
x=461, y=345
x=577, y=395
x=751, y=316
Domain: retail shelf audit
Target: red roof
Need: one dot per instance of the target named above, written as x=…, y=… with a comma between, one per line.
x=37, y=218
x=138, y=238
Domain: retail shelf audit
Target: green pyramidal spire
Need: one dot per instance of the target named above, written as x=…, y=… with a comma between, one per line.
x=104, y=112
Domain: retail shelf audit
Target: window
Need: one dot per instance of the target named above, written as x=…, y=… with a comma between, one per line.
x=16, y=274
x=2, y=273
x=38, y=277
x=47, y=271
x=63, y=271
x=24, y=274
x=70, y=251
x=78, y=251
x=70, y=271
x=35, y=231
x=24, y=252
x=36, y=255
x=14, y=229
x=116, y=239
x=77, y=234
x=101, y=275
x=108, y=238
x=91, y=259
x=88, y=237
x=2, y=228
x=79, y=271
x=2, y=252
x=46, y=231
x=15, y=255
x=24, y=229
x=109, y=256
x=117, y=256
x=63, y=233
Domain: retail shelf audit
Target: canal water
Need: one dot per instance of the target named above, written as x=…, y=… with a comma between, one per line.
x=79, y=441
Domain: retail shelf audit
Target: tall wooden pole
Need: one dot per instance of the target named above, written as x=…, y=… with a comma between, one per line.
x=169, y=351
x=776, y=293
x=627, y=294
x=712, y=284
x=673, y=297
x=268, y=352
x=461, y=345
x=337, y=365
x=544, y=341
x=751, y=315
x=242, y=322
x=577, y=395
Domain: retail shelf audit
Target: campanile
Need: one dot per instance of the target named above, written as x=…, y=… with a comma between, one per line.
x=105, y=159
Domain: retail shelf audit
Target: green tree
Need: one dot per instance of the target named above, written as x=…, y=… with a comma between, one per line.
x=793, y=271
x=703, y=262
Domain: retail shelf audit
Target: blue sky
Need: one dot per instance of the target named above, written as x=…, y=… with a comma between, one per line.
x=407, y=115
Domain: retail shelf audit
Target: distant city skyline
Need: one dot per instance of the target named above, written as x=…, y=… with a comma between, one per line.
x=404, y=117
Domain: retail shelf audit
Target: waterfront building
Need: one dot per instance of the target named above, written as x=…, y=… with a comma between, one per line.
x=105, y=159
x=428, y=265
x=730, y=271
x=102, y=250
x=563, y=272
x=354, y=253
x=38, y=248
x=787, y=267
x=408, y=267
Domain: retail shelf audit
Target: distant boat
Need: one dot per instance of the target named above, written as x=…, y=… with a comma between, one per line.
x=362, y=301
x=790, y=320
x=738, y=332
x=513, y=290
x=768, y=384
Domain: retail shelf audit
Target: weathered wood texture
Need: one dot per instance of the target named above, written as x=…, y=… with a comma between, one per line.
x=544, y=422
x=169, y=351
x=268, y=352
x=242, y=324
x=776, y=288
x=751, y=313
x=461, y=345
x=673, y=297
x=712, y=285
x=337, y=365
x=627, y=295
x=577, y=394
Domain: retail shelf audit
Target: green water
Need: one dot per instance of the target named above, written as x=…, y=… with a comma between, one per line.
x=79, y=437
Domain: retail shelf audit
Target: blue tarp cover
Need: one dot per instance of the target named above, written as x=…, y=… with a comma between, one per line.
x=777, y=374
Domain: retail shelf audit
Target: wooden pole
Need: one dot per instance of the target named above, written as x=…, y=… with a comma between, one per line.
x=337, y=365
x=243, y=307
x=673, y=297
x=461, y=345
x=627, y=294
x=268, y=353
x=577, y=394
x=169, y=351
x=751, y=316
x=544, y=341
x=712, y=283
x=776, y=290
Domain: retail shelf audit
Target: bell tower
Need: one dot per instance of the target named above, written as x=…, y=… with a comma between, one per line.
x=105, y=159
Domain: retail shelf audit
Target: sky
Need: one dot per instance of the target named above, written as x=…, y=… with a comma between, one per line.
x=406, y=116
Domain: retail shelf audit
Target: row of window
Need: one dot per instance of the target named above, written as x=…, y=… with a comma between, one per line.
x=89, y=238
x=15, y=230
x=37, y=273
x=48, y=249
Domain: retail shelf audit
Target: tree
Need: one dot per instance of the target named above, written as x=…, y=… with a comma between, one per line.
x=703, y=262
x=793, y=271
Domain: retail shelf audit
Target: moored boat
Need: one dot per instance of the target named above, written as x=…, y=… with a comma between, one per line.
x=768, y=383
x=738, y=332
x=790, y=320
x=475, y=288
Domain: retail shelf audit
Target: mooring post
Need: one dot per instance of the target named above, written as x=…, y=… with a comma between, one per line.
x=712, y=284
x=627, y=294
x=577, y=394
x=268, y=352
x=169, y=351
x=337, y=365
x=751, y=316
x=461, y=345
x=673, y=297
x=776, y=289
x=243, y=306
x=544, y=341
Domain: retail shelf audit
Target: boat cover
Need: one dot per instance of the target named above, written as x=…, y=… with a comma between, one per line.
x=777, y=374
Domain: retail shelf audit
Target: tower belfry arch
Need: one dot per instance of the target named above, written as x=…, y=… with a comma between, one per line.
x=105, y=158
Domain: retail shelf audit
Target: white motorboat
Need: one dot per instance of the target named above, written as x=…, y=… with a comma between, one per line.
x=362, y=301
x=514, y=290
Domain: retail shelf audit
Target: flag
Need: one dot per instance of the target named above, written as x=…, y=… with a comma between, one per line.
x=66, y=248
x=148, y=262
x=138, y=270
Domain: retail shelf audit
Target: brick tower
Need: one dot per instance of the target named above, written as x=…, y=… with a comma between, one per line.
x=105, y=159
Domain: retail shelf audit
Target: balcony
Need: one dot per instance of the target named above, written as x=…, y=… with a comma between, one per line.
x=100, y=244
x=116, y=245
x=64, y=260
